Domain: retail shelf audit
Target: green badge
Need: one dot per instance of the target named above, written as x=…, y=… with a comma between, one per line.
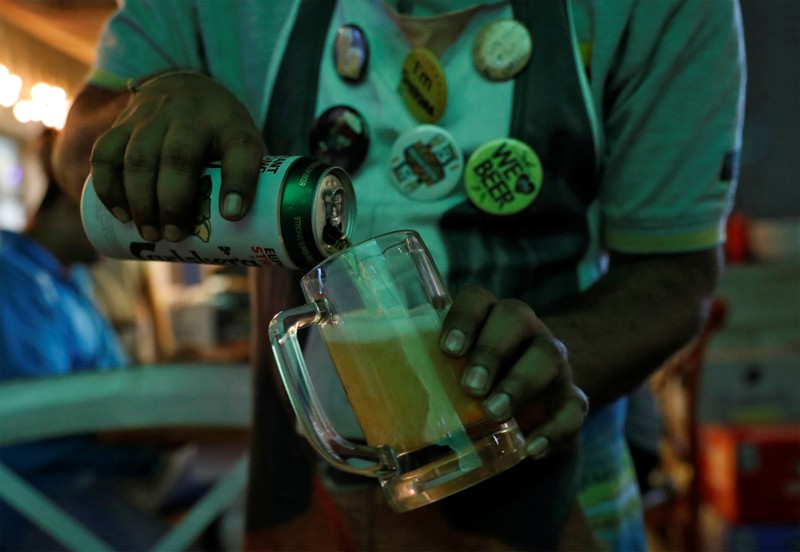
x=503, y=176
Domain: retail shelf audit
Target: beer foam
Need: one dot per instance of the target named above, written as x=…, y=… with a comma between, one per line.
x=363, y=326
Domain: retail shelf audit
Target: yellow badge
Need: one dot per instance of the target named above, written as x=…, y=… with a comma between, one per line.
x=423, y=85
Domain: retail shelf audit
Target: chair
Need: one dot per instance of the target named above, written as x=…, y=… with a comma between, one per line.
x=157, y=397
x=676, y=385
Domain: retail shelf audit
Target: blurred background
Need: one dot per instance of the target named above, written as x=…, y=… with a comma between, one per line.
x=727, y=472
x=46, y=50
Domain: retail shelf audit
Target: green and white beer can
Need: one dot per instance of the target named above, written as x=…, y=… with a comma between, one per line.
x=304, y=211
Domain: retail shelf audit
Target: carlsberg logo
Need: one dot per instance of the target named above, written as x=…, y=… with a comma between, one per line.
x=147, y=252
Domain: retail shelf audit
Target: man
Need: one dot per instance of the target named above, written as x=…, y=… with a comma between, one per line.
x=632, y=109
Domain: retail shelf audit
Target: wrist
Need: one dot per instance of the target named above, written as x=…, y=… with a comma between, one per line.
x=136, y=85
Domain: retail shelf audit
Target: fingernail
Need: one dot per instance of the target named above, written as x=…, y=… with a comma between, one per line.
x=454, y=341
x=173, y=233
x=121, y=214
x=232, y=205
x=475, y=378
x=498, y=405
x=537, y=448
x=150, y=233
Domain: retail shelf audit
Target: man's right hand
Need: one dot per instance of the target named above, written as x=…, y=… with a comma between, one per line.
x=145, y=168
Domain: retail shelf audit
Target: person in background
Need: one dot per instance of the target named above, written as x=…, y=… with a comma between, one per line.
x=50, y=327
x=125, y=292
x=605, y=268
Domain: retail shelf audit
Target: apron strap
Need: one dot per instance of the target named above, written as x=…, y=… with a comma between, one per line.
x=281, y=479
x=549, y=110
x=534, y=254
x=294, y=96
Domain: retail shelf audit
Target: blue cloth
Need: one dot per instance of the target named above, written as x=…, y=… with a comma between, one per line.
x=48, y=323
x=609, y=491
x=49, y=326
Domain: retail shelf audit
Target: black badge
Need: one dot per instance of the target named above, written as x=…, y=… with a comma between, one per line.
x=340, y=137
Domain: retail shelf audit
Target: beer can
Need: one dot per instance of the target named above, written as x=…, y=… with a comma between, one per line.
x=303, y=211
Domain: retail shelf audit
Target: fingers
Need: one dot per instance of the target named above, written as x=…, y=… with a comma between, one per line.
x=156, y=183
x=510, y=324
x=142, y=157
x=517, y=364
x=107, y=163
x=465, y=319
x=560, y=427
x=182, y=155
x=539, y=392
x=146, y=168
x=242, y=149
x=542, y=363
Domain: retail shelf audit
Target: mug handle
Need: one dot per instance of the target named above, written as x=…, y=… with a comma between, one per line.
x=380, y=462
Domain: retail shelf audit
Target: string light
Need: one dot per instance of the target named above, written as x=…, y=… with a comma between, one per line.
x=47, y=104
x=10, y=86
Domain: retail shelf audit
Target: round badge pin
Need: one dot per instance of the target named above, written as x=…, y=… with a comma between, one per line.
x=423, y=85
x=340, y=137
x=503, y=176
x=351, y=53
x=426, y=164
x=502, y=49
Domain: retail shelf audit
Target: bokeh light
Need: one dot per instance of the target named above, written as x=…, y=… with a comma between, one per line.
x=47, y=104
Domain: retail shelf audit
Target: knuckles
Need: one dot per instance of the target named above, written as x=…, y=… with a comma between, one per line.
x=581, y=399
x=242, y=138
x=143, y=208
x=138, y=161
x=472, y=293
x=171, y=124
x=514, y=309
x=486, y=354
x=180, y=156
x=174, y=213
x=557, y=350
x=104, y=153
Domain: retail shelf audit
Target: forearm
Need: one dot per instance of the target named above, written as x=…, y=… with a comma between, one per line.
x=642, y=311
x=93, y=112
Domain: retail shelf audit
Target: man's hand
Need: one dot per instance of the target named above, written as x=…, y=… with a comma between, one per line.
x=516, y=363
x=146, y=166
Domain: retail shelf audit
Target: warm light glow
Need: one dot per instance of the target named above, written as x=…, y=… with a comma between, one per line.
x=10, y=86
x=56, y=115
x=24, y=111
x=40, y=92
x=48, y=104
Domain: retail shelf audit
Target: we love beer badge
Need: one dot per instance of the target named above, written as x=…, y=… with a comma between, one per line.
x=503, y=176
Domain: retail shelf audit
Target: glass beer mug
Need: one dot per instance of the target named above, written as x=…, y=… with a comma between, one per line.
x=379, y=306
